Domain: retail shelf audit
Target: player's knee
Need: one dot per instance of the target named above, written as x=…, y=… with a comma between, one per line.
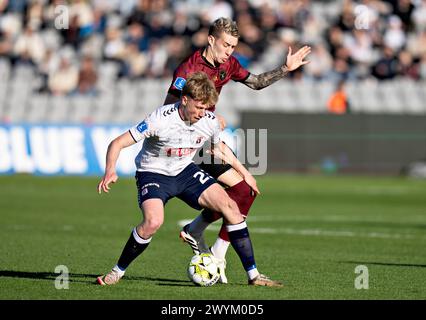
x=230, y=207
x=153, y=224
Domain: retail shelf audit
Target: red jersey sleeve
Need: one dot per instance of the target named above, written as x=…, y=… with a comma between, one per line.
x=238, y=72
x=179, y=79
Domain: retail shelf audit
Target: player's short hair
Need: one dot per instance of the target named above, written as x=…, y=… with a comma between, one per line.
x=199, y=87
x=224, y=25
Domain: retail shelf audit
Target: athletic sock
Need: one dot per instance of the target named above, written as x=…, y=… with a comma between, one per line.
x=240, y=240
x=196, y=229
x=197, y=226
x=133, y=248
x=253, y=273
x=219, y=248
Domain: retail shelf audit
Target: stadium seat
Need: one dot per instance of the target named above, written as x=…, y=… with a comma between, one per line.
x=80, y=109
x=58, y=109
x=38, y=107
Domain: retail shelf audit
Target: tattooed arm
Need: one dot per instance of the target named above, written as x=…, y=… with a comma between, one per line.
x=265, y=79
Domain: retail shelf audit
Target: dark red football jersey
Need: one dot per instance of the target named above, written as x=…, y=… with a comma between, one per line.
x=220, y=75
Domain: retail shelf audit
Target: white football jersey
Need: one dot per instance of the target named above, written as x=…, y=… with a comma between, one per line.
x=171, y=143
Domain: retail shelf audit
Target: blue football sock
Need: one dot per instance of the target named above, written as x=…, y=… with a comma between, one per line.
x=240, y=241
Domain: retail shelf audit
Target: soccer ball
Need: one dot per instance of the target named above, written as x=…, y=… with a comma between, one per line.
x=202, y=270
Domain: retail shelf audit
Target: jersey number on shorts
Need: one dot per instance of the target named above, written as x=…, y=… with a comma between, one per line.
x=202, y=177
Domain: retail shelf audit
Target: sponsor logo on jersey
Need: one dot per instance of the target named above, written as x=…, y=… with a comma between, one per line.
x=179, y=152
x=179, y=83
x=141, y=127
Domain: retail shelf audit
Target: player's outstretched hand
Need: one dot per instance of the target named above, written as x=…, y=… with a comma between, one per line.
x=251, y=181
x=296, y=60
x=106, y=180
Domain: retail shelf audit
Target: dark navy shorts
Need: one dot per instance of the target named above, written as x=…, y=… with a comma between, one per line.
x=187, y=185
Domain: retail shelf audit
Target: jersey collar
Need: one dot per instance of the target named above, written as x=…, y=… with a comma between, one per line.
x=178, y=104
x=205, y=60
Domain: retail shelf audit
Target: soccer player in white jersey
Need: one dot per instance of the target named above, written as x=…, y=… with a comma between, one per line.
x=172, y=134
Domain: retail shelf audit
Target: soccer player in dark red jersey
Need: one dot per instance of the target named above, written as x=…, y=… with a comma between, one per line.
x=217, y=62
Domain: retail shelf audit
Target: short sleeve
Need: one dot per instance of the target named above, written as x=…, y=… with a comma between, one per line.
x=238, y=72
x=147, y=128
x=179, y=79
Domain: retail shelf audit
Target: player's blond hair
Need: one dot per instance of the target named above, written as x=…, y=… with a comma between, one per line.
x=224, y=25
x=199, y=87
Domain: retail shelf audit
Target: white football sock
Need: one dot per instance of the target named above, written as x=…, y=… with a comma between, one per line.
x=220, y=248
x=253, y=273
x=117, y=269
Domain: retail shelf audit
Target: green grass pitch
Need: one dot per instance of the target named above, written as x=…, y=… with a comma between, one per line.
x=311, y=232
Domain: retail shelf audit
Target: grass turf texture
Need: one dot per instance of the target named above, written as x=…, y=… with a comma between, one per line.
x=308, y=231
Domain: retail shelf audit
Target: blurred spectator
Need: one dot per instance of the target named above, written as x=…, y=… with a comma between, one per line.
x=87, y=77
x=250, y=35
x=199, y=39
x=220, y=8
x=419, y=16
x=34, y=15
x=338, y=102
x=320, y=63
x=136, y=35
x=417, y=44
x=64, y=80
x=177, y=50
x=83, y=14
x=17, y=6
x=6, y=44
x=394, y=37
x=346, y=20
x=386, y=67
x=182, y=25
x=157, y=58
x=340, y=71
x=47, y=66
x=134, y=64
x=29, y=47
x=403, y=9
x=334, y=38
x=360, y=46
x=406, y=66
x=352, y=39
x=114, y=48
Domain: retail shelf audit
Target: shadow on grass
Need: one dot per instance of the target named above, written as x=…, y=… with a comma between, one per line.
x=84, y=278
x=390, y=264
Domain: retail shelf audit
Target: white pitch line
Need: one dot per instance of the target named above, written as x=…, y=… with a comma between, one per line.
x=317, y=232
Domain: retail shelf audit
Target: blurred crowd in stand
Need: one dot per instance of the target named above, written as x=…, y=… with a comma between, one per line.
x=67, y=41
